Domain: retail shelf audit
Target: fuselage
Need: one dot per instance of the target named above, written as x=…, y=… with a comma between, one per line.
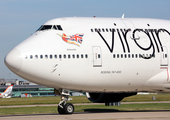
x=96, y=55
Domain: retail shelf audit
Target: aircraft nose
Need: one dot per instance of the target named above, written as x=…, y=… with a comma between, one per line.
x=13, y=60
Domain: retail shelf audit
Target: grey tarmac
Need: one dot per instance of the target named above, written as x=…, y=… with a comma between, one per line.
x=145, y=115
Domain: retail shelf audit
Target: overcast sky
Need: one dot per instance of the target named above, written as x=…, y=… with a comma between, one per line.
x=21, y=18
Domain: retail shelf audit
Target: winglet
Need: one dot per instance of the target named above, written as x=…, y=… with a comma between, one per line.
x=123, y=15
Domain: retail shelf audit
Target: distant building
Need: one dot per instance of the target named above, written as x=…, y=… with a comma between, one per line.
x=7, y=82
x=22, y=88
x=25, y=87
x=33, y=90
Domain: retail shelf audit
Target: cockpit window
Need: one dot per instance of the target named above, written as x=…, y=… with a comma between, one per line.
x=59, y=27
x=54, y=27
x=48, y=27
x=45, y=27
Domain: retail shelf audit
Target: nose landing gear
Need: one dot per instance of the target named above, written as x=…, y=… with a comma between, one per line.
x=63, y=106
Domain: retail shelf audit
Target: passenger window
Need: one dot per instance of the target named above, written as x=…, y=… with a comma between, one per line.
x=91, y=30
x=132, y=55
x=25, y=57
x=121, y=55
x=147, y=55
x=117, y=55
x=86, y=56
x=99, y=30
x=69, y=56
x=73, y=56
x=31, y=56
x=114, y=56
x=81, y=55
x=36, y=56
x=106, y=30
x=46, y=56
x=128, y=55
x=64, y=56
x=77, y=56
x=41, y=56
x=60, y=56
x=136, y=55
x=150, y=55
x=95, y=29
x=103, y=30
x=59, y=27
x=98, y=55
x=165, y=55
x=55, y=56
x=51, y=56
x=125, y=55
x=143, y=55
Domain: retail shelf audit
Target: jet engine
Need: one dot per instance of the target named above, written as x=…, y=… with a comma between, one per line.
x=107, y=97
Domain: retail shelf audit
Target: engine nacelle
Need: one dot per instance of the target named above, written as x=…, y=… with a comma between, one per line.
x=107, y=97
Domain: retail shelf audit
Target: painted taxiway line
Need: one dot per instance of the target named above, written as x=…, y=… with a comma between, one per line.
x=82, y=104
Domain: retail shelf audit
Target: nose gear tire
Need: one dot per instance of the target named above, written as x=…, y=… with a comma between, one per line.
x=68, y=108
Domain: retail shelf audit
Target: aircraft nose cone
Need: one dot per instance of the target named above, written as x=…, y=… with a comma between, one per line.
x=13, y=60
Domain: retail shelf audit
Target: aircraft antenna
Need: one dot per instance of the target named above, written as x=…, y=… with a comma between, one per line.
x=123, y=15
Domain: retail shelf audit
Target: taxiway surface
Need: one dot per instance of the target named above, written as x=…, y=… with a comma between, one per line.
x=145, y=115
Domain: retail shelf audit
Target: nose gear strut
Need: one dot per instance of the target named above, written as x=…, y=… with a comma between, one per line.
x=63, y=106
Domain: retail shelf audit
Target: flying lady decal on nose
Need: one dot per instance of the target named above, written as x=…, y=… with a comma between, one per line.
x=76, y=39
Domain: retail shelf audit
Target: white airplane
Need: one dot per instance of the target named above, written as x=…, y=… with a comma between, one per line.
x=7, y=93
x=109, y=58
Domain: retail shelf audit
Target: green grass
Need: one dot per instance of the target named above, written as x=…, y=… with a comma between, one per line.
x=86, y=108
x=148, y=97
x=40, y=100
x=82, y=108
x=77, y=99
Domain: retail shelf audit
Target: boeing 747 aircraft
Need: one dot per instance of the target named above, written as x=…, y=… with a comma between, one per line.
x=109, y=58
x=7, y=93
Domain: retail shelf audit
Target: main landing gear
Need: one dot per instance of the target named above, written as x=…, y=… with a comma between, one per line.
x=63, y=106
